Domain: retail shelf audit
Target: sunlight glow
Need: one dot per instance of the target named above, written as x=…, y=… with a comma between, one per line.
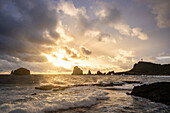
x=61, y=59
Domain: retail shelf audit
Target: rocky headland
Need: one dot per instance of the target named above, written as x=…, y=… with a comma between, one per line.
x=148, y=68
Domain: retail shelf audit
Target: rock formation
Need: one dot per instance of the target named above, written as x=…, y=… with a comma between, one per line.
x=148, y=68
x=20, y=71
x=77, y=71
x=89, y=72
x=110, y=73
x=99, y=73
x=157, y=92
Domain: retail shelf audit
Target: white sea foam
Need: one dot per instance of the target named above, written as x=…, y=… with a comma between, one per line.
x=84, y=96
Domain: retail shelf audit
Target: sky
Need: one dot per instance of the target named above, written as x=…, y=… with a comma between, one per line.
x=54, y=36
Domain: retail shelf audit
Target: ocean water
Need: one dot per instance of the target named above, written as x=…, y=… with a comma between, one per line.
x=16, y=94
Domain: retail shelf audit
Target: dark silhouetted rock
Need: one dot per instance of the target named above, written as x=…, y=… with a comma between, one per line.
x=12, y=72
x=133, y=82
x=89, y=72
x=77, y=71
x=99, y=73
x=110, y=73
x=45, y=87
x=148, y=68
x=157, y=92
x=20, y=71
x=34, y=94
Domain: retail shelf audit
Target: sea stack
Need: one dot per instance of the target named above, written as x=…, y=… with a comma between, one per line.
x=99, y=73
x=77, y=71
x=89, y=72
x=20, y=71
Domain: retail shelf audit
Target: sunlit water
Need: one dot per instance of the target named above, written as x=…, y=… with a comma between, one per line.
x=15, y=95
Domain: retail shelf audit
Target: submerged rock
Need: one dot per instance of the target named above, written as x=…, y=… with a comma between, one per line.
x=133, y=82
x=34, y=94
x=45, y=87
x=20, y=71
x=157, y=92
x=77, y=71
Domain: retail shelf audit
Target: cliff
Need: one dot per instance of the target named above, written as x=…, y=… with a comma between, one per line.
x=148, y=68
x=20, y=71
x=77, y=71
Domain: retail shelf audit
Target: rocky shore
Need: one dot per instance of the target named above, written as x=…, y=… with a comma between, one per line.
x=157, y=92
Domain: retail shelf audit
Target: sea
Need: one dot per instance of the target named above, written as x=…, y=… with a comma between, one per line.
x=18, y=94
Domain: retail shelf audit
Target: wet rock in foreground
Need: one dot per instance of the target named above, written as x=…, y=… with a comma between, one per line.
x=157, y=92
x=46, y=87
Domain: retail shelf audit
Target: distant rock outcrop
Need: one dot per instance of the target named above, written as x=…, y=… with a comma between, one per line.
x=77, y=71
x=110, y=73
x=89, y=72
x=20, y=71
x=148, y=68
x=99, y=73
x=157, y=92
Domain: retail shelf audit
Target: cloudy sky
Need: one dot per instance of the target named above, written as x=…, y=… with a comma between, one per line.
x=54, y=36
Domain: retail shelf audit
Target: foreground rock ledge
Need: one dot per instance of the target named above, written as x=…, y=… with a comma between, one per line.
x=157, y=92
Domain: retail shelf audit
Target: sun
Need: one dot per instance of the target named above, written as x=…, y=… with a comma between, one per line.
x=59, y=59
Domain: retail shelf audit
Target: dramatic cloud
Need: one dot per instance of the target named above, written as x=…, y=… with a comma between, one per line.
x=109, y=13
x=161, y=10
x=55, y=35
x=25, y=26
x=85, y=50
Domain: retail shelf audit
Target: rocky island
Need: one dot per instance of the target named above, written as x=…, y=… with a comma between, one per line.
x=77, y=71
x=20, y=71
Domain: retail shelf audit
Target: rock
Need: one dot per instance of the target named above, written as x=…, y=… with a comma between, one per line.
x=45, y=87
x=77, y=71
x=89, y=72
x=12, y=72
x=34, y=94
x=110, y=73
x=20, y=71
x=99, y=73
x=133, y=82
x=60, y=88
x=157, y=92
x=148, y=68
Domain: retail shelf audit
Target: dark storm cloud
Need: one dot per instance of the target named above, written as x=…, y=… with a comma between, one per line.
x=24, y=25
x=85, y=51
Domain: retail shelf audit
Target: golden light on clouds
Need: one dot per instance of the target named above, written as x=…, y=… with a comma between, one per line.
x=61, y=59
